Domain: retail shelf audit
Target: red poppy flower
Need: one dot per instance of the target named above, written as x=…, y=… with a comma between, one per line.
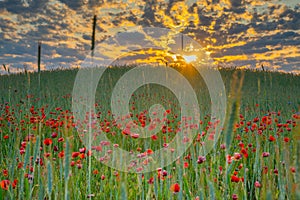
x=14, y=184
x=126, y=131
x=97, y=148
x=75, y=154
x=61, y=154
x=201, y=159
x=185, y=164
x=135, y=135
x=89, y=153
x=286, y=139
x=223, y=146
x=4, y=184
x=234, y=197
x=237, y=156
x=164, y=173
x=151, y=180
x=175, y=188
x=81, y=156
x=229, y=159
x=149, y=151
x=235, y=179
x=272, y=138
x=267, y=120
x=293, y=169
x=82, y=150
x=265, y=170
x=265, y=154
x=46, y=155
x=154, y=137
x=5, y=172
x=47, y=141
x=20, y=165
x=54, y=135
x=257, y=184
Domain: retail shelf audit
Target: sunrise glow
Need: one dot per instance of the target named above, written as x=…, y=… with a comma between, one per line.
x=189, y=59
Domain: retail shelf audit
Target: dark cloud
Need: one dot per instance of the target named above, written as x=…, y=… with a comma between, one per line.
x=148, y=17
x=20, y=49
x=238, y=10
x=20, y=7
x=95, y=3
x=74, y=5
x=293, y=60
x=236, y=3
x=278, y=41
x=237, y=28
x=204, y=20
x=215, y=1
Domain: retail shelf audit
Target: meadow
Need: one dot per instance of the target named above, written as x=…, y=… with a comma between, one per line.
x=256, y=157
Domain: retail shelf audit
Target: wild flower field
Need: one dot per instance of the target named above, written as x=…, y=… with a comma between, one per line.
x=256, y=157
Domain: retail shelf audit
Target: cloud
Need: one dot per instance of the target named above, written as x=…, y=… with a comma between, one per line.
x=21, y=7
x=235, y=32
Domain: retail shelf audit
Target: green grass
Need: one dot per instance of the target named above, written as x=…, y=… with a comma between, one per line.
x=32, y=115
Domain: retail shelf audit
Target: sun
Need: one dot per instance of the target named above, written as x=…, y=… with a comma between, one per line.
x=157, y=57
x=190, y=58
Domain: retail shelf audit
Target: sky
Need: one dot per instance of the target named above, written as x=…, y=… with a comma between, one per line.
x=235, y=33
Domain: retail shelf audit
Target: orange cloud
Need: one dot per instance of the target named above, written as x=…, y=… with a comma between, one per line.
x=232, y=58
x=286, y=52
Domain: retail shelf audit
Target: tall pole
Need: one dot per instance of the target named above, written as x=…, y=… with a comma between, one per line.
x=90, y=118
x=39, y=71
x=93, y=35
x=181, y=41
x=39, y=57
